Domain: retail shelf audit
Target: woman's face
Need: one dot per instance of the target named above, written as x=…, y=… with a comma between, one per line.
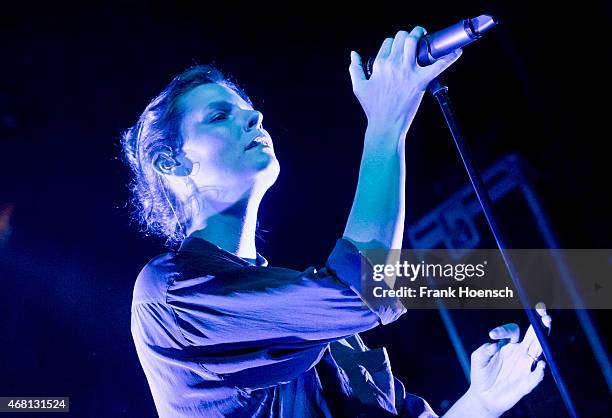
x=224, y=138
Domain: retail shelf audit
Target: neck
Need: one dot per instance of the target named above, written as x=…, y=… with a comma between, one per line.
x=230, y=227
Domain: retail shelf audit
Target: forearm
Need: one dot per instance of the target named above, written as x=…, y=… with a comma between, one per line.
x=390, y=99
x=468, y=406
x=376, y=219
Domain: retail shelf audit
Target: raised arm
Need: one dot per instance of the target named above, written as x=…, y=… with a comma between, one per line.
x=390, y=99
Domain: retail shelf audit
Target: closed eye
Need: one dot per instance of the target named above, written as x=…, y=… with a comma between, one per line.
x=218, y=116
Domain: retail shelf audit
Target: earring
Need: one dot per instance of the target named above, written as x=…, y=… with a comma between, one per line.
x=182, y=165
x=181, y=170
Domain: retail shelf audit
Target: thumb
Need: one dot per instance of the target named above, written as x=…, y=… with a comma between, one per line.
x=511, y=331
x=356, y=69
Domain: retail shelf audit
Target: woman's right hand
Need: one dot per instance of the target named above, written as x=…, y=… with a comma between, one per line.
x=391, y=96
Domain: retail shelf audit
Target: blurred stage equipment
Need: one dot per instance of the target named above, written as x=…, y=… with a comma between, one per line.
x=454, y=225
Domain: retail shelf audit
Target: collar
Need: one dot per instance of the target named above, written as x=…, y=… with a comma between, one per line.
x=199, y=246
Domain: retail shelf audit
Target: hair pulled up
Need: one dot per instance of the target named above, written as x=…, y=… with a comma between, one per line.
x=159, y=211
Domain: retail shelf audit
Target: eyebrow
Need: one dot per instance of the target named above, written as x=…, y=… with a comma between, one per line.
x=222, y=105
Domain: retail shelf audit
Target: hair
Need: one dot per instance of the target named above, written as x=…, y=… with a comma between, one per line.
x=159, y=211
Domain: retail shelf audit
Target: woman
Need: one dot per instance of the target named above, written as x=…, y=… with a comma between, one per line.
x=219, y=333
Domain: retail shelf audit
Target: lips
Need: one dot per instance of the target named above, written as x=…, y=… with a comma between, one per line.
x=261, y=140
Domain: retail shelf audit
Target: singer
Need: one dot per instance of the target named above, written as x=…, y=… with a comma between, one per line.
x=218, y=332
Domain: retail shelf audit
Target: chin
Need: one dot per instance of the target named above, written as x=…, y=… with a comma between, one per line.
x=268, y=172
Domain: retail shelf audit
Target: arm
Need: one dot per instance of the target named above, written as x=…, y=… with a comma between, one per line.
x=390, y=99
x=501, y=373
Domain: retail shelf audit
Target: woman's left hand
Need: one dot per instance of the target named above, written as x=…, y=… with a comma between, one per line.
x=501, y=372
x=392, y=94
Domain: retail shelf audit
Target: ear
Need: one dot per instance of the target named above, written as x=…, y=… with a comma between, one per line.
x=165, y=163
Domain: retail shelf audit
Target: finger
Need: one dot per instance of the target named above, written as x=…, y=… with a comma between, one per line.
x=547, y=321
x=535, y=376
x=511, y=331
x=540, y=308
x=397, y=49
x=385, y=50
x=356, y=69
x=443, y=63
x=531, y=343
x=482, y=355
x=530, y=337
x=411, y=43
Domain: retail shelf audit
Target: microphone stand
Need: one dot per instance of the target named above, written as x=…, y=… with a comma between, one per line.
x=440, y=92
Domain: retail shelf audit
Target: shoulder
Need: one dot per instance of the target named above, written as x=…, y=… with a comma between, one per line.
x=155, y=277
x=180, y=271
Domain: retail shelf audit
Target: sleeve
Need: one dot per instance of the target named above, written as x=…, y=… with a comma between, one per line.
x=275, y=319
x=410, y=405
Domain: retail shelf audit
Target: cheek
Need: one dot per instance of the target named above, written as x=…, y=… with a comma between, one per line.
x=211, y=148
x=220, y=160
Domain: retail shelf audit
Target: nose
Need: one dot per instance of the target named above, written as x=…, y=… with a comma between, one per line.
x=254, y=120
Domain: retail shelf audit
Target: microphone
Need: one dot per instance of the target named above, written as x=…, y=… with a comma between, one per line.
x=431, y=47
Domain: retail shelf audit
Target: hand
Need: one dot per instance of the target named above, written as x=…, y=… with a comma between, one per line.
x=391, y=96
x=501, y=372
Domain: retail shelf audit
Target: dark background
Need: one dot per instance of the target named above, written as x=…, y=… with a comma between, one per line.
x=73, y=77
